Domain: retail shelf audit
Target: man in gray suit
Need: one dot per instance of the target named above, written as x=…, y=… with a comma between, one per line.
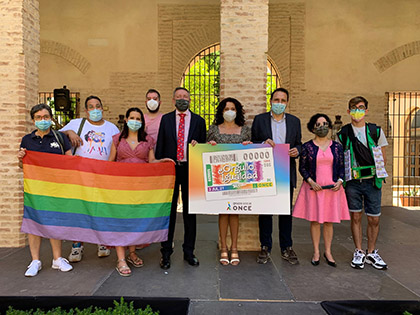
x=277, y=127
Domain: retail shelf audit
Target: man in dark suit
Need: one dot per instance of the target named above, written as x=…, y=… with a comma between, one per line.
x=277, y=127
x=177, y=129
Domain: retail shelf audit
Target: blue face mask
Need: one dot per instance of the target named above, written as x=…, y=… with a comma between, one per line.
x=43, y=124
x=95, y=115
x=134, y=125
x=278, y=108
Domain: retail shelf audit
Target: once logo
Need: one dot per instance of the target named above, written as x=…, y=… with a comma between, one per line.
x=242, y=207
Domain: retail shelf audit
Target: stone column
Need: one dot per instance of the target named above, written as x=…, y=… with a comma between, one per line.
x=19, y=58
x=243, y=74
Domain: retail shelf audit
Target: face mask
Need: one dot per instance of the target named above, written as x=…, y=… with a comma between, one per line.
x=278, y=108
x=152, y=105
x=95, y=115
x=182, y=105
x=321, y=131
x=229, y=115
x=134, y=125
x=357, y=114
x=43, y=124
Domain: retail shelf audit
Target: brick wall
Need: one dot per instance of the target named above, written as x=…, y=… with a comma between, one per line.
x=243, y=74
x=19, y=57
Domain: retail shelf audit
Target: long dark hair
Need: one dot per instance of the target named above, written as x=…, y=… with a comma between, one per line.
x=141, y=135
x=239, y=120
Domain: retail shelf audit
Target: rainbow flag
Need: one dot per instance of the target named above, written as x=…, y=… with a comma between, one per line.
x=99, y=202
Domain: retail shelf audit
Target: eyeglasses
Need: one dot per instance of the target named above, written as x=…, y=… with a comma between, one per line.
x=325, y=124
x=39, y=117
x=362, y=107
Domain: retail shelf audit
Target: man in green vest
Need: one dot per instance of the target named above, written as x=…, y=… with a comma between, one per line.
x=363, y=155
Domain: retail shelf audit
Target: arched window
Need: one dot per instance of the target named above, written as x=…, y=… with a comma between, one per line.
x=202, y=78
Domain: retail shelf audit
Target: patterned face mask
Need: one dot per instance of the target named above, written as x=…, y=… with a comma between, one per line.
x=357, y=114
x=321, y=131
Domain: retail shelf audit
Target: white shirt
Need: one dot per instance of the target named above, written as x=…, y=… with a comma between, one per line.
x=360, y=134
x=97, y=139
x=278, y=128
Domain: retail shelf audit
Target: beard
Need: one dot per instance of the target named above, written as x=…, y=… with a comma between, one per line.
x=153, y=111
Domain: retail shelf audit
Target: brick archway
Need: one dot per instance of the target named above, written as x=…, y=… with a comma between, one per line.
x=67, y=53
x=396, y=55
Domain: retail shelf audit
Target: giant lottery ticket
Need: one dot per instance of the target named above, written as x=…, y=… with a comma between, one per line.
x=239, y=179
x=239, y=173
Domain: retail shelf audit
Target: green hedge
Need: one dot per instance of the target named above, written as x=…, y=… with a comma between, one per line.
x=120, y=308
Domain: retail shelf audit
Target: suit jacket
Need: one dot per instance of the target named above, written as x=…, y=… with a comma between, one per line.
x=261, y=131
x=167, y=138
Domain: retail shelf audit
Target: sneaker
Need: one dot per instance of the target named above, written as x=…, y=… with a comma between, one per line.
x=61, y=264
x=103, y=251
x=289, y=255
x=76, y=253
x=358, y=261
x=263, y=256
x=33, y=268
x=375, y=260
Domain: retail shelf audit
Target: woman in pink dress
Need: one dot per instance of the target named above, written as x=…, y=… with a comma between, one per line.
x=132, y=145
x=321, y=198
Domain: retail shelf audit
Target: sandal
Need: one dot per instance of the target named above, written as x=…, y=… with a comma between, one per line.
x=235, y=257
x=123, y=270
x=136, y=262
x=224, y=257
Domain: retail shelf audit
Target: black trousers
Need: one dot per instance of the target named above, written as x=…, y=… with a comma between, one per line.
x=190, y=228
x=265, y=223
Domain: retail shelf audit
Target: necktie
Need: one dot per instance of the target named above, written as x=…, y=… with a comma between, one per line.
x=180, y=142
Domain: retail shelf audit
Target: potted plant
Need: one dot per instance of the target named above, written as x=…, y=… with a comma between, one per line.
x=410, y=198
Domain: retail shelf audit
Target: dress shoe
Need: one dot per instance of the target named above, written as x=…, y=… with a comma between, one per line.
x=315, y=262
x=165, y=263
x=192, y=260
x=329, y=262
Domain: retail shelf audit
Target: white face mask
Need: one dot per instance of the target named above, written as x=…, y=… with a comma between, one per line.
x=229, y=115
x=152, y=104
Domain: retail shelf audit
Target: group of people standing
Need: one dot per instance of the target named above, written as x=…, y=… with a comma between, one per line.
x=153, y=138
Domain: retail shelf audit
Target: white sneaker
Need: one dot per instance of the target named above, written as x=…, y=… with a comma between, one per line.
x=103, y=251
x=76, y=254
x=375, y=260
x=358, y=261
x=33, y=268
x=61, y=264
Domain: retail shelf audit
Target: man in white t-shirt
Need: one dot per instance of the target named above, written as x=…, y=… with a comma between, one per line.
x=90, y=137
x=363, y=144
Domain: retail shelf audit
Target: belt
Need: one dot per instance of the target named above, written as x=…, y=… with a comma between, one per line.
x=181, y=163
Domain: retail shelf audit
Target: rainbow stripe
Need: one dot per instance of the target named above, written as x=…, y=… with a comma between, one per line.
x=100, y=202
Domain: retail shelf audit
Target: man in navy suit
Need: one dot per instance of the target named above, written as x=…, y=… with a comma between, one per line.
x=177, y=129
x=277, y=127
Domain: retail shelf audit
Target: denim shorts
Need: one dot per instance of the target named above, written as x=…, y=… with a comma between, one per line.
x=361, y=193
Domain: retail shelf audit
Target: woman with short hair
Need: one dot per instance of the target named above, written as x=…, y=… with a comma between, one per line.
x=321, y=198
x=46, y=140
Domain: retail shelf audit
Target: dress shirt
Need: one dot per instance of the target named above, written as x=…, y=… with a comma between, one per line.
x=278, y=128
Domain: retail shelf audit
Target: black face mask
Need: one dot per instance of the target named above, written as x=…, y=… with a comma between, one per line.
x=182, y=105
